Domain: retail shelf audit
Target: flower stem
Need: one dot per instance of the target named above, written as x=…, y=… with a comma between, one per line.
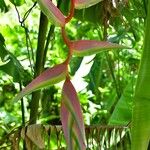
x=71, y=13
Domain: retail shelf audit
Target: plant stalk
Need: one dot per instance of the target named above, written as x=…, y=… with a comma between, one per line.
x=141, y=107
x=39, y=65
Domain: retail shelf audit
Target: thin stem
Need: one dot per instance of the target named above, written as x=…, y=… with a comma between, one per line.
x=71, y=13
x=49, y=38
x=22, y=107
x=105, y=34
x=109, y=61
x=23, y=114
x=68, y=43
x=28, y=41
x=118, y=74
x=25, y=15
x=31, y=48
x=27, y=45
x=28, y=12
x=19, y=18
x=65, y=38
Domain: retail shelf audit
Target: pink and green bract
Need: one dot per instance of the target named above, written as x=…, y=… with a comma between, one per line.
x=52, y=12
x=89, y=47
x=48, y=77
x=71, y=117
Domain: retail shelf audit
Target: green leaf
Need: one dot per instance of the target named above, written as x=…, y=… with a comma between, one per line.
x=3, y=51
x=95, y=75
x=80, y=4
x=2, y=40
x=47, y=78
x=122, y=113
x=3, y=6
x=17, y=2
x=88, y=14
x=71, y=118
x=75, y=64
x=10, y=64
x=13, y=68
x=89, y=47
x=141, y=103
x=52, y=12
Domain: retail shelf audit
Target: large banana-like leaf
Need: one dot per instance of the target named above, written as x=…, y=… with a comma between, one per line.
x=52, y=12
x=89, y=47
x=141, y=107
x=47, y=78
x=72, y=119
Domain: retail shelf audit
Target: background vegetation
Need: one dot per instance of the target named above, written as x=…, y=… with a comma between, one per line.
x=105, y=82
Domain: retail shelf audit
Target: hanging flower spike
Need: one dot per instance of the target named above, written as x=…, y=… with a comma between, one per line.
x=48, y=77
x=89, y=47
x=52, y=12
x=81, y=4
x=71, y=118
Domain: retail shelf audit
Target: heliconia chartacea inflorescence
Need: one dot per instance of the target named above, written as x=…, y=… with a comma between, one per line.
x=71, y=118
x=47, y=78
x=52, y=12
x=81, y=4
x=89, y=47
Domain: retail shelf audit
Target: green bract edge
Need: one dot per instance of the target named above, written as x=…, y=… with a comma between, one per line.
x=93, y=51
x=53, y=19
x=87, y=4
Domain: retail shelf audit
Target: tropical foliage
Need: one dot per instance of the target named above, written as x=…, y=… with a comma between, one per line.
x=92, y=49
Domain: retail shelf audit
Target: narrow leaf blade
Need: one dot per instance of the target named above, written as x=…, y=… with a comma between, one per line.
x=71, y=117
x=47, y=78
x=80, y=4
x=89, y=47
x=52, y=12
x=122, y=113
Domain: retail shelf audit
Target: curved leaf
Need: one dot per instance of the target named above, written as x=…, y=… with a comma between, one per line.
x=52, y=12
x=89, y=47
x=122, y=113
x=48, y=77
x=17, y=2
x=9, y=63
x=75, y=63
x=71, y=117
x=141, y=102
x=80, y=4
x=3, y=6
